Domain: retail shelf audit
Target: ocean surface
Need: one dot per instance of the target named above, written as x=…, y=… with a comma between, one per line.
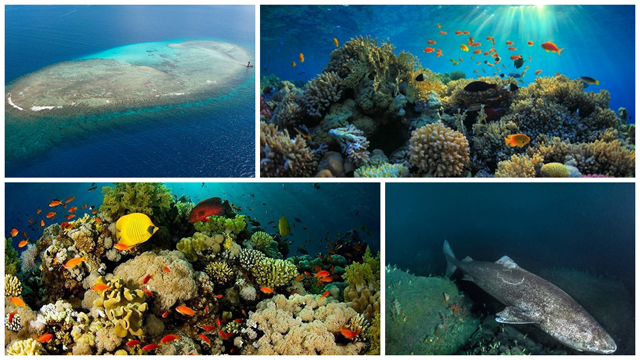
x=215, y=139
x=326, y=211
x=598, y=41
x=586, y=229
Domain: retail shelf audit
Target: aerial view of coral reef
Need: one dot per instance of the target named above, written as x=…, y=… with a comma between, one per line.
x=81, y=94
x=540, y=280
x=192, y=269
x=447, y=91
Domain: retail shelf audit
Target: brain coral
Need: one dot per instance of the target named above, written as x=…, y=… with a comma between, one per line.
x=168, y=288
x=320, y=92
x=438, y=150
x=554, y=170
x=280, y=156
x=301, y=325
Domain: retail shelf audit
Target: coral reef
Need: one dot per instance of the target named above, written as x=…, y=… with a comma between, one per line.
x=353, y=144
x=282, y=157
x=122, y=306
x=439, y=151
x=25, y=347
x=320, y=92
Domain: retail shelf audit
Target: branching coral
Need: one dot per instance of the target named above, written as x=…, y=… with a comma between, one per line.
x=261, y=240
x=280, y=156
x=519, y=166
x=438, y=150
x=249, y=258
x=25, y=347
x=320, y=92
x=300, y=325
x=219, y=272
x=354, y=145
x=363, y=292
x=12, y=286
x=274, y=272
x=290, y=110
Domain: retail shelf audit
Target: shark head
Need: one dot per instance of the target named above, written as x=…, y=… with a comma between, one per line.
x=590, y=337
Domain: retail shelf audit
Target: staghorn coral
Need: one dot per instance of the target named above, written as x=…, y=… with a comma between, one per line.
x=280, y=156
x=12, y=286
x=554, y=170
x=320, y=92
x=354, y=145
x=382, y=171
x=274, y=272
x=300, y=325
x=122, y=306
x=438, y=150
x=178, y=285
x=125, y=198
x=219, y=272
x=25, y=347
x=519, y=166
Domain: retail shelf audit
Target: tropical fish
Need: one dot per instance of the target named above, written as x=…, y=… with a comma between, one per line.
x=530, y=43
x=512, y=48
x=184, y=310
x=169, y=338
x=304, y=132
x=75, y=262
x=206, y=309
x=515, y=57
x=18, y=301
x=38, y=211
x=42, y=223
x=588, y=80
x=69, y=217
x=326, y=279
x=146, y=279
x=418, y=78
x=69, y=199
x=529, y=58
x=516, y=140
x=218, y=323
x=51, y=215
x=94, y=212
x=438, y=25
x=301, y=57
x=209, y=207
x=30, y=221
x=14, y=232
x=477, y=86
x=475, y=44
x=489, y=37
x=443, y=33
x=23, y=243
x=150, y=347
x=465, y=32
x=55, y=202
x=460, y=59
x=132, y=343
x=429, y=50
x=98, y=220
x=322, y=273
x=431, y=42
x=325, y=294
x=84, y=206
x=335, y=41
x=266, y=289
x=134, y=229
x=44, y=338
x=165, y=314
x=438, y=53
x=509, y=42
x=224, y=335
x=538, y=72
x=219, y=296
x=122, y=247
x=458, y=32
x=100, y=287
x=203, y=336
x=283, y=226
x=166, y=269
x=348, y=333
x=299, y=277
x=293, y=63
x=549, y=46
x=72, y=209
x=477, y=51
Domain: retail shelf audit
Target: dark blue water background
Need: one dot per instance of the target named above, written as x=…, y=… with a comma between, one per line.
x=335, y=208
x=598, y=41
x=180, y=143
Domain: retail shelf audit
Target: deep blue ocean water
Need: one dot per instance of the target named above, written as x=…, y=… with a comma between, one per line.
x=218, y=141
x=598, y=41
x=335, y=208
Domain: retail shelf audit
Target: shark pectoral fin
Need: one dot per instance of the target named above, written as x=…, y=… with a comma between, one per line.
x=466, y=277
x=507, y=262
x=513, y=315
x=467, y=259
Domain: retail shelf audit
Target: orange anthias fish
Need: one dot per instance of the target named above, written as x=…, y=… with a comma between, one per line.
x=458, y=32
x=205, y=338
x=18, y=302
x=100, y=287
x=224, y=335
x=439, y=53
x=208, y=328
x=465, y=32
x=219, y=296
x=169, y=338
x=515, y=57
x=530, y=43
x=133, y=343
x=42, y=223
x=438, y=25
x=14, y=232
x=325, y=294
x=166, y=269
x=549, y=46
x=266, y=290
x=512, y=48
x=72, y=209
x=30, y=221
x=335, y=41
x=509, y=42
x=44, y=338
x=69, y=199
x=477, y=51
x=293, y=63
x=322, y=273
x=23, y=243
x=443, y=33
x=94, y=212
x=75, y=262
x=184, y=310
x=429, y=50
x=475, y=44
x=538, y=72
x=431, y=42
x=51, y=215
x=55, y=202
x=299, y=277
x=348, y=333
x=489, y=37
x=84, y=206
x=165, y=314
x=150, y=347
x=486, y=53
x=69, y=217
x=301, y=57
x=146, y=279
x=38, y=211
x=122, y=247
x=326, y=279
x=517, y=140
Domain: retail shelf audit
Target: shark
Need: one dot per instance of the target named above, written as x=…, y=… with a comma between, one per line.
x=530, y=299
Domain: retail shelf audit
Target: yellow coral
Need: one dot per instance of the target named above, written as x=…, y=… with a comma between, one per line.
x=219, y=272
x=280, y=156
x=438, y=150
x=122, y=306
x=25, y=347
x=554, y=170
x=274, y=272
x=519, y=166
x=12, y=286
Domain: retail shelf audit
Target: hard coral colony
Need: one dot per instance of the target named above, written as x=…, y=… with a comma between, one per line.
x=214, y=285
x=369, y=98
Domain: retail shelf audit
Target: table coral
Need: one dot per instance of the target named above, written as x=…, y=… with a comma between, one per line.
x=439, y=151
x=280, y=156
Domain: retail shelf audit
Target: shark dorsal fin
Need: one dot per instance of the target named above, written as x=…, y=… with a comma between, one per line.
x=467, y=259
x=507, y=262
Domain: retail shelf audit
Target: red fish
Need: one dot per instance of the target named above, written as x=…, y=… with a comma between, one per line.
x=431, y=42
x=348, y=333
x=458, y=32
x=206, y=309
x=51, y=215
x=23, y=243
x=205, y=338
x=477, y=51
x=538, y=72
x=184, y=310
x=558, y=74
x=75, y=262
x=94, y=212
x=224, y=335
x=14, y=232
x=438, y=25
x=38, y=211
x=515, y=57
x=489, y=37
x=438, y=54
x=165, y=314
x=326, y=279
x=166, y=269
x=69, y=199
x=208, y=328
x=475, y=44
x=321, y=274
x=512, y=48
x=238, y=320
x=429, y=50
x=299, y=277
x=530, y=43
x=517, y=140
x=266, y=290
x=100, y=287
x=218, y=322
x=133, y=343
x=30, y=221
x=465, y=32
x=72, y=209
x=98, y=220
x=146, y=279
x=69, y=217
x=18, y=302
x=11, y=315
x=44, y=338
x=509, y=42
x=147, y=291
x=42, y=223
x=219, y=296
x=209, y=207
x=443, y=33
x=169, y=338
x=55, y=202
x=549, y=46
x=150, y=347
x=325, y=294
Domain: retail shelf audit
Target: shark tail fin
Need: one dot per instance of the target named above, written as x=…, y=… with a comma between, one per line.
x=448, y=254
